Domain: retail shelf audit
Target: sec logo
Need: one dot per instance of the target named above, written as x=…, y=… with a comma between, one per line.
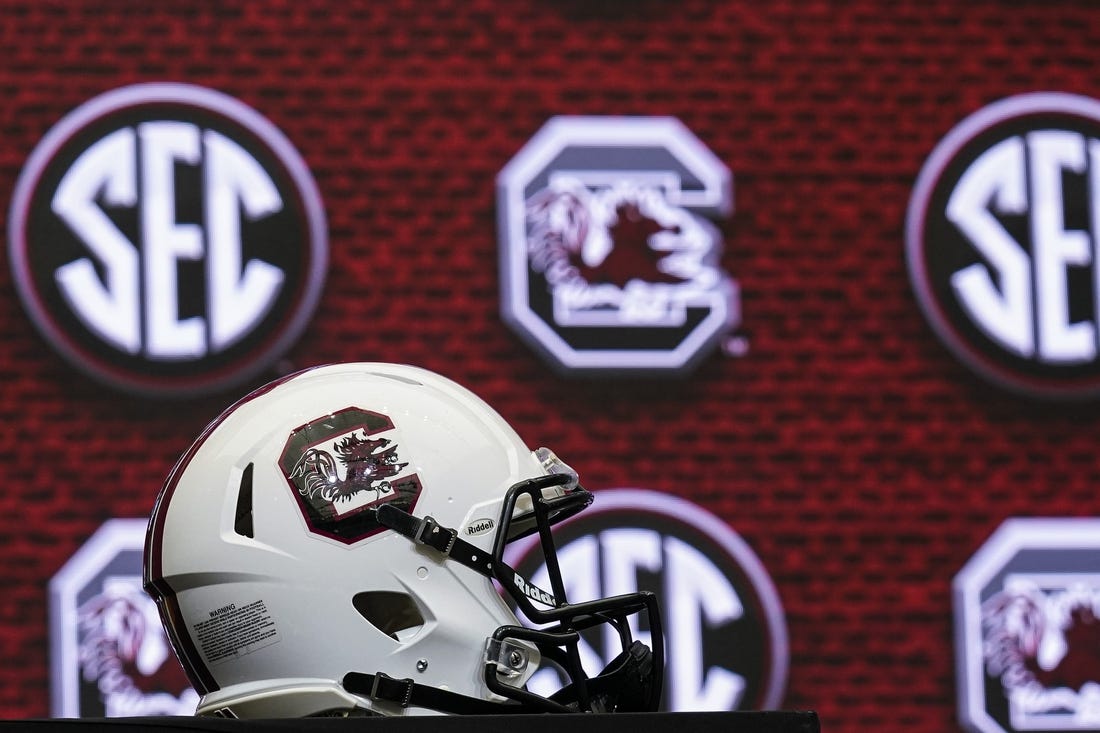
x=167, y=240
x=1001, y=243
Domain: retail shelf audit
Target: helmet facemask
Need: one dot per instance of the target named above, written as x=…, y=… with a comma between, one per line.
x=266, y=507
x=631, y=682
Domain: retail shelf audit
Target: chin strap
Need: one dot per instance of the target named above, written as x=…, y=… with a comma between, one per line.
x=405, y=694
x=625, y=685
x=446, y=541
x=633, y=668
x=429, y=532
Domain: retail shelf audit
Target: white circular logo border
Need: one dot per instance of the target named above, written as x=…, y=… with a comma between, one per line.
x=185, y=94
x=943, y=154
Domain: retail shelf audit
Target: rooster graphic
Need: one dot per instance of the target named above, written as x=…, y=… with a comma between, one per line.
x=615, y=235
x=1045, y=649
x=622, y=250
x=365, y=464
x=124, y=653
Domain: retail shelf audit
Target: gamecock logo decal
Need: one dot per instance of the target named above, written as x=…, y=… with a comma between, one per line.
x=342, y=466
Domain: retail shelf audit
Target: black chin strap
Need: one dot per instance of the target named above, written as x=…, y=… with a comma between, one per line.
x=428, y=532
x=408, y=694
x=633, y=668
x=624, y=686
x=446, y=541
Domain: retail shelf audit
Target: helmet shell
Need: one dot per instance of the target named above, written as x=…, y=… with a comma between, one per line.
x=272, y=579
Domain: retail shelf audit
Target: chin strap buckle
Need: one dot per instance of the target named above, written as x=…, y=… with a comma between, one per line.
x=432, y=534
x=429, y=532
x=391, y=689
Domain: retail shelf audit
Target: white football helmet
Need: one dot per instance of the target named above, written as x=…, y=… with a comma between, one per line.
x=329, y=546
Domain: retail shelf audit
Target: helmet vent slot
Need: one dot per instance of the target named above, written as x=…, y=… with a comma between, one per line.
x=242, y=524
x=394, y=614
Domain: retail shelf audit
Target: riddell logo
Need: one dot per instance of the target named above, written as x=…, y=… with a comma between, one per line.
x=1002, y=244
x=167, y=240
x=609, y=261
x=532, y=591
x=725, y=632
x=479, y=526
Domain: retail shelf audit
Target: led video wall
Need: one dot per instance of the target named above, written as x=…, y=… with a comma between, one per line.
x=806, y=292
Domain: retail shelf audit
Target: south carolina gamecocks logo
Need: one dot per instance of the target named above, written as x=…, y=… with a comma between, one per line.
x=620, y=255
x=109, y=656
x=1027, y=631
x=342, y=465
x=367, y=464
x=609, y=258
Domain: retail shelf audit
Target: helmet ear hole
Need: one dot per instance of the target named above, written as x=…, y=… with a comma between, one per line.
x=394, y=614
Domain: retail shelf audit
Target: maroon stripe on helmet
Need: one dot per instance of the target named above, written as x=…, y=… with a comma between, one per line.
x=176, y=628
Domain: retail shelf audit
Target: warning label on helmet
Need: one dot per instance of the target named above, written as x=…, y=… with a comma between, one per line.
x=235, y=630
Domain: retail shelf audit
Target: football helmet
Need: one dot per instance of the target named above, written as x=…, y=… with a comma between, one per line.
x=333, y=544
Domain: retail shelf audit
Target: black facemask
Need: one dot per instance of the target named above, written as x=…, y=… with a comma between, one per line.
x=631, y=682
